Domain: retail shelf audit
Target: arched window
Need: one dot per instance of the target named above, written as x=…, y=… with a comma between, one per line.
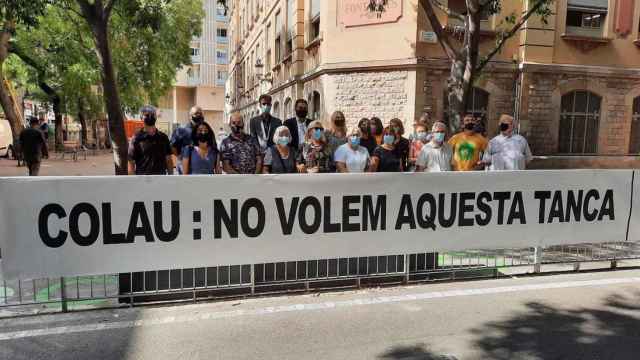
x=579, y=123
x=276, y=109
x=634, y=146
x=478, y=104
x=287, y=109
x=317, y=109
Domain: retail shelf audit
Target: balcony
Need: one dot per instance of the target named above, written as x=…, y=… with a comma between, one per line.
x=196, y=59
x=587, y=32
x=193, y=80
x=222, y=39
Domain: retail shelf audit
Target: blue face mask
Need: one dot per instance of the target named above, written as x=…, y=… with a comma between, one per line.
x=266, y=109
x=283, y=140
x=388, y=139
x=438, y=137
x=317, y=134
x=354, y=140
x=422, y=136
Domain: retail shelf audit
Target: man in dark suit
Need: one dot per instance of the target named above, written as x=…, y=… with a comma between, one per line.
x=263, y=126
x=299, y=124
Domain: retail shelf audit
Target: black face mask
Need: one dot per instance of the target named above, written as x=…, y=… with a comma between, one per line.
x=504, y=127
x=149, y=119
x=197, y=119
x=236, y=129
x=469, y=126
x=203, y=138
x=302, y=113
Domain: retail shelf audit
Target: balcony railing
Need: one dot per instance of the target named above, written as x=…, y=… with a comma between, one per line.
x=193, y=80
x=584, y=31
x=196, y=59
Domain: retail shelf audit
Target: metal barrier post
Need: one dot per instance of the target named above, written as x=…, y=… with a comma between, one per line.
x=63, y=295
x=537, y=259
x=406, y=269
x=253, y=279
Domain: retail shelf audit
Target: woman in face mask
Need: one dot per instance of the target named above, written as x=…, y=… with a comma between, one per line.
x=366, y=140
x=402, y=145
x=385, y=158
x=421, y=138
x=315, y=152
x=375, y=124
x=352, y=157
x=337, y=136
x=280, y=158
x=201, y=158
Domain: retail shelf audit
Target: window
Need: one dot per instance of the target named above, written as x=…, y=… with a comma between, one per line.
x=315, y=19
x=287, y=109
x=586, y=17
x=222, y=77
x=478, y=104
x=276, y=109
x=278, y=43
x=579, y=123
x=267, y=56
x=221, y=57
x=291, y=25
x=221, y=33
x=317, y=110
x=221, y=12
x=634, y=145
x=195, y=51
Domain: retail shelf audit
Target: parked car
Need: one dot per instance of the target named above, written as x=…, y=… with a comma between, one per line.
x=6, y=140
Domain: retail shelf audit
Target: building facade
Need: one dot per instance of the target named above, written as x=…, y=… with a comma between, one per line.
x=202, y=83
x=573, y=82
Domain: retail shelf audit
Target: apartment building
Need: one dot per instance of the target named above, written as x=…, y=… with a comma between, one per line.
x=202, y=83
x=573, y=82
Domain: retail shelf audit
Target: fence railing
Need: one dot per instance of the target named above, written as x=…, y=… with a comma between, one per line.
x=87, y=292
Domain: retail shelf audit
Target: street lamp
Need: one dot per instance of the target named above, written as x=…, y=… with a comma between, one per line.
x=259, y=75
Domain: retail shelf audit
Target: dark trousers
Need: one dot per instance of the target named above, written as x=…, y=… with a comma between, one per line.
x=34, y=167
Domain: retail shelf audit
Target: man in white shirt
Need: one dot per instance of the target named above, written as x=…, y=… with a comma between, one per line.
x=436, y=155
x=507, y=151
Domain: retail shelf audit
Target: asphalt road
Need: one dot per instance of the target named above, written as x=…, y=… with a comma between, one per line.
x=580, y=316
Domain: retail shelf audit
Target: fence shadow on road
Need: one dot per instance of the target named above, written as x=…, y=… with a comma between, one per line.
x=610, y=331
x=416, y=352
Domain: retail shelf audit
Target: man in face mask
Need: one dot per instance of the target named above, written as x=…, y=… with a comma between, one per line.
x=182, y=136
x=263, y=126
x=468, y=146
x=507, y=151
x=298, y=125
x=436, y=155
x=150, y=150
x=240, y=153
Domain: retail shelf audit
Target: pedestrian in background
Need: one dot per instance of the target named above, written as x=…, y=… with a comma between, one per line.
x=299, y=124
x=423, y=120
x=421, y=138
x=183, y=136
x=437, y=154
x=352, y=157
x=315, y=152
x=385, y=158
x=150, y=150
x=280, y=158
x=336, y=136
x=376, y=129
x=468, y=146
x=201, y=157
x=34, y=146
x=366, y=140
x=263, y=126
x=240, y=153
x=507, y=151
x=402, y=145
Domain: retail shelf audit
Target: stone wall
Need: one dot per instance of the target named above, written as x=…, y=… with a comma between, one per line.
x=367, y=94
x=542, y=96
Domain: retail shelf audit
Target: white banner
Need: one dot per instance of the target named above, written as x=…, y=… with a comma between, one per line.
x=83, y=226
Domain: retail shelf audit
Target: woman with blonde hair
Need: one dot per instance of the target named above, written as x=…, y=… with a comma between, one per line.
x=336, y=136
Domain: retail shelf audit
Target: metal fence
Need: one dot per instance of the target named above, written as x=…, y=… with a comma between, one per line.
x=89, y=292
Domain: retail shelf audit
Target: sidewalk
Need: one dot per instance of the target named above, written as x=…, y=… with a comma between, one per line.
x=101, y=164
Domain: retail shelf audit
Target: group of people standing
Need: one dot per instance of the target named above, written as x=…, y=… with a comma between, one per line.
x=302, y=145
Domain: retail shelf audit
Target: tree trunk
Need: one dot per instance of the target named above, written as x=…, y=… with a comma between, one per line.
x=8, y=105
x=456, y=95
x=112, y=97
x=83, y=122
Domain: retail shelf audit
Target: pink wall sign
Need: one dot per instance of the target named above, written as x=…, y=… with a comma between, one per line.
x=368, y=12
